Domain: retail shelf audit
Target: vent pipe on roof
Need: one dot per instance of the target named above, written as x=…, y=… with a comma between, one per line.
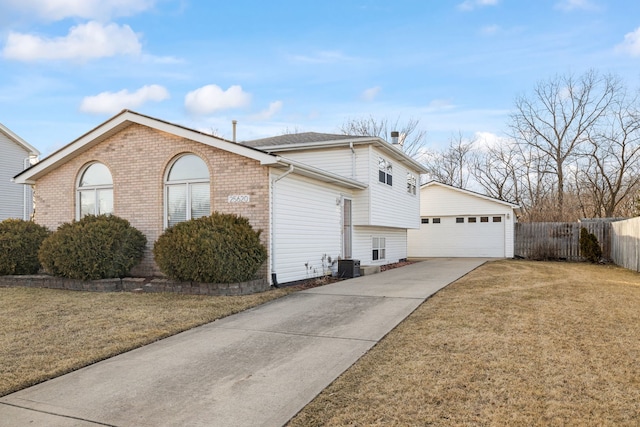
x=234, y=123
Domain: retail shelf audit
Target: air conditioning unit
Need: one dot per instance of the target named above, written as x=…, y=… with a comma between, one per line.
x=348, y=268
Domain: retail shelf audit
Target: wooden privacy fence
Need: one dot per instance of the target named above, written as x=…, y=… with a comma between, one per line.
x=625, y=243
x=558, y=240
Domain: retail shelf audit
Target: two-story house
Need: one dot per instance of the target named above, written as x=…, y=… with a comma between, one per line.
x=317, y=198
x=16, y=201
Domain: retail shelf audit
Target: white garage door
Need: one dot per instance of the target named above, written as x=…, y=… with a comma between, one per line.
x=481, y=236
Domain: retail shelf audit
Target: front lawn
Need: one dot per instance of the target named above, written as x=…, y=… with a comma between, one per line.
x=45, y=333
x=514, y=343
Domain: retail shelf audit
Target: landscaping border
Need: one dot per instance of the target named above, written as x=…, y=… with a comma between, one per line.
x=134, y=284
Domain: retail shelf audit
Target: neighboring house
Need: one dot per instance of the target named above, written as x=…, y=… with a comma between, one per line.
x=461, y=223
x=16, y=201
x=155, y=174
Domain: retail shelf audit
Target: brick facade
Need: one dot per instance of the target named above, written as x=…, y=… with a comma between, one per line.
x=138, y=157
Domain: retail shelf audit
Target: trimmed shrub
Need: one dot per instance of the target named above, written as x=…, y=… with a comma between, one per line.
x=96, y=247
x=589, y=246
x=221, y=248
x=19, y=244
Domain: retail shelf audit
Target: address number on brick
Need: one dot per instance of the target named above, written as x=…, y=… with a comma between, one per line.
x=239, y=198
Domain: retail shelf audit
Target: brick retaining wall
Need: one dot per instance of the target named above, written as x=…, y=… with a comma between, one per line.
x=129, y=284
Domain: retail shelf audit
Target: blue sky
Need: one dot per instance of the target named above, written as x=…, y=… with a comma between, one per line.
x=276, y=66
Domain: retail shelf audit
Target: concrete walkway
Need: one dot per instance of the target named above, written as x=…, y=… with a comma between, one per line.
x=255, y=368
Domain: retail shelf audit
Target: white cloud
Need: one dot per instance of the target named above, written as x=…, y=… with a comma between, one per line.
x=570, y=5
x=370, y=94
x=484, y=140
x=631, y=43
x=273, y=109
x=469, y=5
x=85, y=41
x=113, y=102
x=56, y=10
x=211, y=98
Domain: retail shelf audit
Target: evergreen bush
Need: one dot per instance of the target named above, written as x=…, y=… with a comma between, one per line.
x=589, y=246
x=96, y=247
x=221, y=248
x=19, y=244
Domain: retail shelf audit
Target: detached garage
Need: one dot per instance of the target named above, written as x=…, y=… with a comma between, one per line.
x=461, y=223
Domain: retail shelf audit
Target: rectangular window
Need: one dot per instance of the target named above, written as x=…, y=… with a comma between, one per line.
x=471, y=219
x=459, y=220
x=385, y=171
x=200, y=200
x=176, y=204
x=378, y=248
x=425, y=220
x=497, y=219
x=436, y=220
x=411, y=183
x=484, y=219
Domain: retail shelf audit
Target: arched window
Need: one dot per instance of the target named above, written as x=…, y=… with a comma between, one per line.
x=187, y=190
x=95, y=191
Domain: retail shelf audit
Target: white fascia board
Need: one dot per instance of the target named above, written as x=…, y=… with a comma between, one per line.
x=321, y=175
x=123, y=120
x=470, y=193
x=378, y=142
x=31, y=149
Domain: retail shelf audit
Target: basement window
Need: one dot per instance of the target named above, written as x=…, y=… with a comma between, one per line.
x=378, y=248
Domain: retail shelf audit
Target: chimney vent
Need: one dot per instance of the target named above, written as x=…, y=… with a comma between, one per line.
x=395, y=136
x=234, y=123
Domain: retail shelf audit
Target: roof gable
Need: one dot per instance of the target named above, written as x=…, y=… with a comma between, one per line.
x=120, y=122
x=462, y=191
x=19, y=141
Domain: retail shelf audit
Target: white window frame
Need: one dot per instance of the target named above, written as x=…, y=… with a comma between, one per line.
x=379, y=245
x=187, y=184
x=386, y=168
x=95, y=189
x=411, y=183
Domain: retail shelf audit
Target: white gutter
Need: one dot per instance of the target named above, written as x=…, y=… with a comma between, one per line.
x=274, y=279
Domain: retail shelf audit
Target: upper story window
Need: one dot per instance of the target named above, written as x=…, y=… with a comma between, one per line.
x=95, y=191
x=385, y=171
x=187, y=190
x=411, y=183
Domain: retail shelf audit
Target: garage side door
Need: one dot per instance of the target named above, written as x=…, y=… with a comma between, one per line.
x=455, y=237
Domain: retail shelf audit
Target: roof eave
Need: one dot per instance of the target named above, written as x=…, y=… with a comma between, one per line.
x=13, y=136
x=123, y=120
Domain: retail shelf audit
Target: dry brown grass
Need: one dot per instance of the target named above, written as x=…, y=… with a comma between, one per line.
x=512, y=343
x=45, y=333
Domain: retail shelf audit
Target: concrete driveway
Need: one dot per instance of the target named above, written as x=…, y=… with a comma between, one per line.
x=255, y=368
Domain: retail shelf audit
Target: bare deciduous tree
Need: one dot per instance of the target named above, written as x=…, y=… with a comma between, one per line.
x=413, y=138
x=555, y=120
x=452, y=165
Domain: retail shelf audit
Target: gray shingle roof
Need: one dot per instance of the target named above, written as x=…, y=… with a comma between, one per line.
x=297, y=138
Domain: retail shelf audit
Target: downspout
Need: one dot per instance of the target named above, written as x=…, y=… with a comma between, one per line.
x=353, y=161
x=274, y=278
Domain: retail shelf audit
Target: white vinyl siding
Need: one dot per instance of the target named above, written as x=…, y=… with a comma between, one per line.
x=391, y=205
x=306, y=226
x=13, y=196
x=395, y=244
x=335, y=160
